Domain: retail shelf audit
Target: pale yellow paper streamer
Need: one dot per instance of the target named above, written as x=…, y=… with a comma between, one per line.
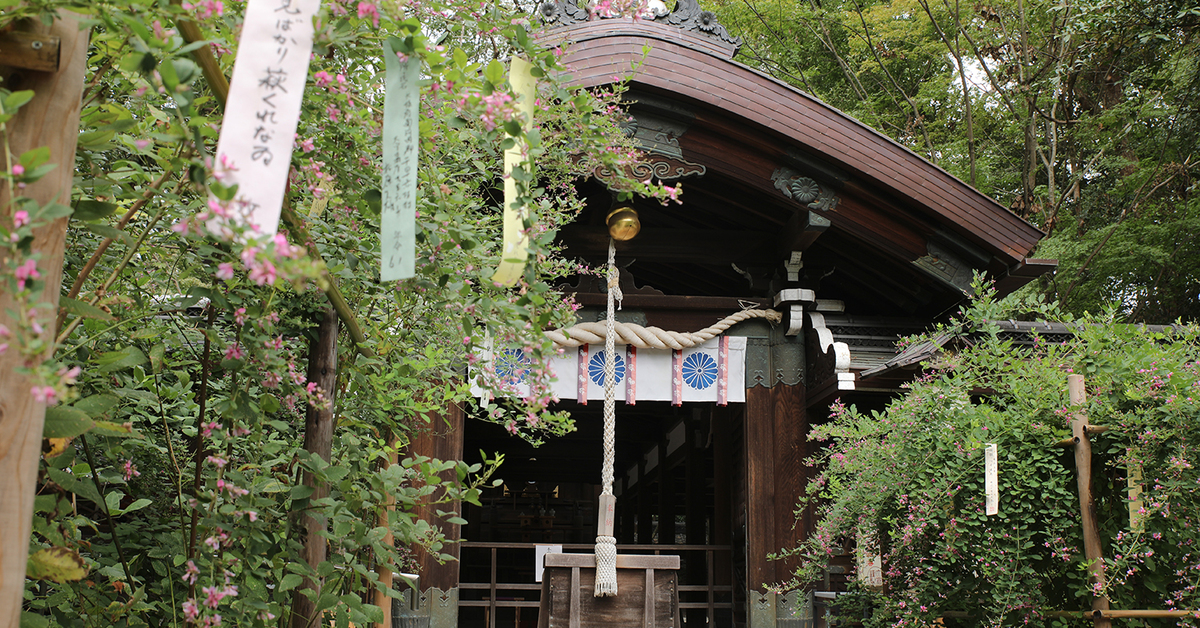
x=516, y=244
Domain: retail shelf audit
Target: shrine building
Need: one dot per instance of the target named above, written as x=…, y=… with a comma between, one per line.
x=789, y=206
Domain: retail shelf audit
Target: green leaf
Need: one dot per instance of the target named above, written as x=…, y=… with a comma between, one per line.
x=82, y=487
x=57, y=564
x=120, y=359
x=84, y=310
x=35, y=157
x=108, y=232
x=269, y=404
x=120, y=430
x=289, y=582
x=494, y=72
x=88, y=209
x=374, y=201
x=156, y=357
x=137, y=505
x=65, y=422
x=32, y=620
x=53, y=211
x=96, y=406
x=15, y=100
x=92, y=140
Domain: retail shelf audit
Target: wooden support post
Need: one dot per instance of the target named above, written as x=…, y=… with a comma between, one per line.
x=441, y=439
x=318, y=440
x=385, y=569
x=791, y=446
x=760, y=437
x=1092, y=549
x=50, y=119
x=695, y=507
x=722, y=497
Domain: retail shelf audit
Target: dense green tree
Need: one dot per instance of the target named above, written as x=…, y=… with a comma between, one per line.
x=1080, y=115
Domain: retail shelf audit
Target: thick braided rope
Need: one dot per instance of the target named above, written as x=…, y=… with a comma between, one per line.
x=606, y=546
x=651, y=337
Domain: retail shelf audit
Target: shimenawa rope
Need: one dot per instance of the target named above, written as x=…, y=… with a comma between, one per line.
x=649, y=337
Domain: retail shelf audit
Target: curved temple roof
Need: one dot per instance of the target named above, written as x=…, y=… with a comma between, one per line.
x=768, y=171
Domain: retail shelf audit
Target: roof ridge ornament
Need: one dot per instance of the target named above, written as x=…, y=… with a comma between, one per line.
x=687, y=15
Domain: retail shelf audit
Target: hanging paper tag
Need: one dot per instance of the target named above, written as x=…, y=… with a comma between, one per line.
x=512, y=257
x=255, y=147
x=991, y=479
x=401, y=139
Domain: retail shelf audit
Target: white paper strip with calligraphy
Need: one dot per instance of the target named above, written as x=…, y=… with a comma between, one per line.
x=255, y=146
x=991, y=479
x=699, y=371
x=401, y=140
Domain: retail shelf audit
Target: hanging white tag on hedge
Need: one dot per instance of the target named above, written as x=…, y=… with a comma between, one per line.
x=255, y=147
x=401, y=139
x=991, y=479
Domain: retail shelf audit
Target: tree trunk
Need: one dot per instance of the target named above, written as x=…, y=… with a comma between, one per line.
x=318, y=439
x=50, y=119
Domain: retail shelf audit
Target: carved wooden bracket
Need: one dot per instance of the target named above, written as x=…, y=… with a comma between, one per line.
x=804, y=190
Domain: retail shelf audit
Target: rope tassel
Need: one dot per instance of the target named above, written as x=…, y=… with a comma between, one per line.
x=606, y=566
x=606, y=544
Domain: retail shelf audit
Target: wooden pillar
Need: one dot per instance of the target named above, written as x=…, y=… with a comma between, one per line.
x=759, y=426
x=722, y=496
x=50, y=119
x=791, y=448
x=443, y=440
x=318, y=440
x=695, y=508
x=697, y=485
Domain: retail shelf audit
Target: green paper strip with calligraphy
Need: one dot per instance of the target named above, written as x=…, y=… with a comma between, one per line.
x=401, y=143
x=255, y=147
x=516, y=241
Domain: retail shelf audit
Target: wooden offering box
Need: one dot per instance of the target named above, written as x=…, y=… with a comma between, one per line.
x=647, y=593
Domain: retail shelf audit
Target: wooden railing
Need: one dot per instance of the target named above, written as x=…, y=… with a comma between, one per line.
x=527, y=594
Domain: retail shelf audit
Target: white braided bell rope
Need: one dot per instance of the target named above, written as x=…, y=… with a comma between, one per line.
x=650, y=337
x=606, y=546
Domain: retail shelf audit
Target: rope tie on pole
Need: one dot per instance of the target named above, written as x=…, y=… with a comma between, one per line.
x=606, y=543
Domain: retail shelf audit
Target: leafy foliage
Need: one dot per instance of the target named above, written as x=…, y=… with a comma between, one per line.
x=907, y=483
x=1081, y=116
x=174, y=462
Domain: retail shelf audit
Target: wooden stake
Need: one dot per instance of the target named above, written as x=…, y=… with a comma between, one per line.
x=318, y=439
x=1083, y=468
x=50, y=119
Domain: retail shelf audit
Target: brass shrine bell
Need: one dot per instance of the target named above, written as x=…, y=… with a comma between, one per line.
x=623, y=224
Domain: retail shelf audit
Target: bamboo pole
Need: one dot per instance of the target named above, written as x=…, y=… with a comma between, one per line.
x=1083, y=469
x=50, y=119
